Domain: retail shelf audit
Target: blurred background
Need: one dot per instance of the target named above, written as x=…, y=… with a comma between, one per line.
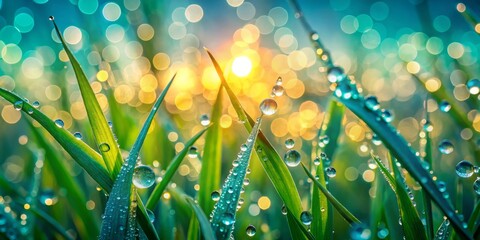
x=130, y=49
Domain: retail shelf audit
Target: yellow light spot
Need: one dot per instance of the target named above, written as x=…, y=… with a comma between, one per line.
x=264, y=203
x=225, y=121
x=26, y=206
x=477, y=28
x=368, y=176
x=161, y=61
x=10, y=115
x=90, y=205
x=102, y=75
x=166, y=195
x=413, y=67
x=461, y=7
x=433, y=84
x=148, y=83
x=241, y=66
x=145, y=32
x=172, y=136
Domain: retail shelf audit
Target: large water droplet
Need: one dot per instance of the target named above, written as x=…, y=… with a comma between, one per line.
x=473, y=86
x=445, y=147
x=360, y=232
x=59, y=123
x=151, y=215
x=215, y=196
x=292, y=158
x=444, y=106
x=18, y=105
x=335, y=74
x=278, y=90
x=331, y=172
x=268, y=106
x=464, y=169
x=306, y=218
x=228, y=219
x=476, y=186
x=371, y=103
x=289, y=143
x=104, y=147
x=251, y=230
x=143, y=176
x=193, y=152
x=204, y=120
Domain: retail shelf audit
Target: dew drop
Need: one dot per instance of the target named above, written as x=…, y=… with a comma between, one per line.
x=204, y=120
x=251, y=230
x=51, y=18
x=36, y=104
x=289, y=143
x=104, y=147
x=331, y=172
x=445, y=106
x=48, y=197
x=473, y=86
x=143, y=176
x=292, y=158
x=445, y=147
x=335, y=74
x=193, y=152
x=306, y=218
x=246, y=181
x=464, y=169
x=78, y=135
x=382, y=233
x=344, y=91
x=360, y=232
x=442, y=187
x=151, y=215
x=59, y=123
x=284, y=210
x=427, y=126
x=268, y=106
x=316, y=161
x=228, y=219
x=324, y=140
x=279, y=81
x=476, y=186
x=371, y=103
x=387, y=115
x=244, y=147
x=215, y=196
x=376, y=140
x=18, y=105
x=278, y=90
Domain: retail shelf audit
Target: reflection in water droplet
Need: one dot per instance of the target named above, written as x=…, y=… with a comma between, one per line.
x=445, y=147
x=18, y=105
x=251, y=230
x=464, y=169
x=268, y=106
x=78, y=135
x=143, y=176
x=204, y=120
x=289, y=143
x=292, y=158
x=59, y=123
x=306, y=218
x=331, y=172
x=335, y=74
x=193, y=152
x=445, y=106
x=215, y=196
x=104, y=147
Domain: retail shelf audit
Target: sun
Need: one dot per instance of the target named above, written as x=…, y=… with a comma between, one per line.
x=241, y=66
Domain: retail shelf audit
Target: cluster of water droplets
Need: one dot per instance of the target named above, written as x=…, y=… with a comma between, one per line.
x=292, y=157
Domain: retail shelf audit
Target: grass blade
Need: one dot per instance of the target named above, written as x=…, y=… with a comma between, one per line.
x=224, y=212
x=202, y=219
x=103, y=135
x=336, y=111
x=193, y=229
x=427, y=202
x=212, y=158
x=444, y=231
x=347, y=215
x=272, y=163
x=398, y=147
x=115, y=220
x=171, y=170
x=51, y=222
x=299, y=224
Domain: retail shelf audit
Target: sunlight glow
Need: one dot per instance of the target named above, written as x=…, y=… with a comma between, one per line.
x=241, y=66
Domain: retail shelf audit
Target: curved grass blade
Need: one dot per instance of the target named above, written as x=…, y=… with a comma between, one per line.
x=412, y=225
x=336, y=111
x=103, y=134
x=202, y=219
x=347, y=215
x=427, y=202
x=194, y=229
x=297, y=222
x=212, y=158
x=171, y=170
x=444, y=231
x=398, y=147
x=272, y=163
x=474, y=218
x=86, y=223
x=115, y=219
x=224, y=212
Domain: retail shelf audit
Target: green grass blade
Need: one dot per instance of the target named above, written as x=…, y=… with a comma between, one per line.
x=85, y=222
x=444, y=231
x=224, y=212
x=336, y=111
x=51, y=222
x=171, y=170
x=299, y=224
x=427, y=202
x=474, y=218
x=115, y=219
x=377, y=206
x=212, y=158
x=202, y=219
x=193, y=229
x=399, y=148
x=103, y=135
x=347, y=215
x=272, y=163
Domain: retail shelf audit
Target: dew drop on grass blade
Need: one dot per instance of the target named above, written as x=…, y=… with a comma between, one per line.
x=224, y=212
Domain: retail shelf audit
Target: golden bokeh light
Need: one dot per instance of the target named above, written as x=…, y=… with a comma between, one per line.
x=241, y=66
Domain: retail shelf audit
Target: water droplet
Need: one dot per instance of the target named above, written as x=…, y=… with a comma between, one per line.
x=387, y=115
x=78, y=135
x=382, y=233
x=279, y=81
x=445, y=147
x=331, y=172
x=289, y=143
x=371, y=103
x=48, y=197
x=292, y=158
x=473, y=86
x=244, y=147
x=427, y=126
x=268, y=106
x=278, y=90
x=376, y=140
x=314, y=36
x=204, y=120
x=51, y=18
x=18, y=105
x=193, y=152
x=235, y=163
x=324, y=140
x=104, y=147
x=36, y=104
x=251, y=230
x=442, y=187
x=306, y=218
x=445, y=106
x=228, y=219
x=215, y=196
x=360, y=232
x=151, y=215
x=143, y=176
x=59, y=123
x=335, y=74
x=476, y=186
x=344, y=90
x=316, y=161
x=464, y=169
x=284, y=210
